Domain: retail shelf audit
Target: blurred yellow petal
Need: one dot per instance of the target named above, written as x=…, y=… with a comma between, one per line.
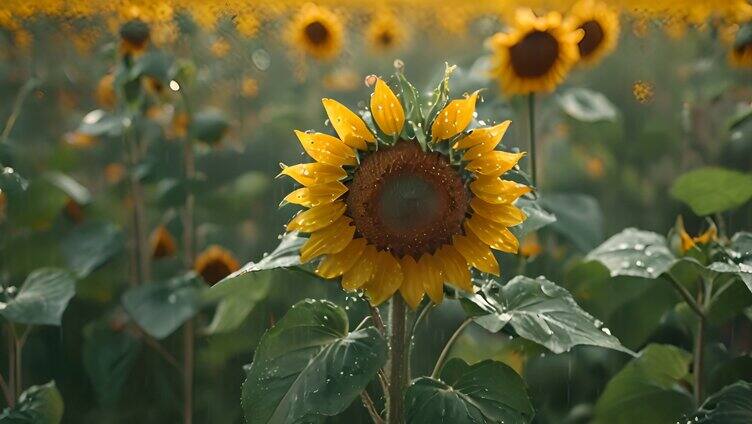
x=317, y=217
x=456, y=271
x=454, y=118
x=309, y=174
x=708, y=236
x=349, y=126
x=477, y=253
x=326, y=149
x=433, y=277
x=316, y=195
x=386, y=109
x=503, y=213
x=387, y=278
x=495, y=235
x=482, y=140
x=331, y=239
x=496, y=191
x=412, y=285
x=337, y=264
x=362, y=271
x=494, y=163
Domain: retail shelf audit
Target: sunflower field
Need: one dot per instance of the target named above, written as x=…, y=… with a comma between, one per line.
x=388, y=212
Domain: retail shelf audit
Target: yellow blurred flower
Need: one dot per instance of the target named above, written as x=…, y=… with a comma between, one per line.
x=249, y=87
x=643, y=91
x=114, y=173
x=341, y=79
x=215, y=263
x=530, y=246
x=600, y=23
x=594, y=167
x=247, y=24
x=80, y=140
x=220, y=48
x=385, y=32
x=688, y=242
x=316, y=31
x=162, y=243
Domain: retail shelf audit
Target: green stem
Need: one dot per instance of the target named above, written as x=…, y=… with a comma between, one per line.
x=531, y=121
x=397, y=363
x=11, y=363
x=699, y=354
x=693, y=304
x=16, y=111
x=448, y=347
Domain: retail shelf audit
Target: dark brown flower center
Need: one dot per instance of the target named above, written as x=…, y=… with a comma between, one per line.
x=592, y=39
x=214, y=271
x=386, y=38
x=317, y=33
x=135, y=32
x=407, y=201
x=535, y=54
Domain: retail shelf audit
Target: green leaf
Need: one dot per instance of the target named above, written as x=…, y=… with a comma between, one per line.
x=486, y=392
x=540, y=311
x=732, y=405
x=42, y=298
x=38, y=205
x=91, y=245
x=209, y=126
x=239, y=292
x=578, y=218
x=710, y=190
x=743, y=36
x=587, y=105
x=741, y=247
x=647, y=389
x=537, y=218
x=37, y=405
x=636, y=253
x=730, y=371
x=102, y=123
x=109, y=354
x=161, y=308
x=72, y=188
x=411, y=102
x=12, y=183
x=440, y=96
x=310, y=365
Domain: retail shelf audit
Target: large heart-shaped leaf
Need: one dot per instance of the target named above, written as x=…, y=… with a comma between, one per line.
x=486, y=392
x=647, y=389
x=91, y=245
x=710, y=190
x=587, y=105
x=578, y=218
x=37, y=405
x=161, y=308
x=732, y=405
x=538, y=310
x=309, y=366
x=42, y=298
x=635, y=253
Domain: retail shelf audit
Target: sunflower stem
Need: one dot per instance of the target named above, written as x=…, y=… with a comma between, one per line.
x=448, y=347
x=397, y=363
x=531, y=121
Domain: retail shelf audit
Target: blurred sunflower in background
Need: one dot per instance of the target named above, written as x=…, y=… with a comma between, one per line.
x=600, y=24
x=215, y=263
x=535, y=55
x=385, y=32
x=388, y=212
x=134, y=37
x=316, y=31
x=162, y=243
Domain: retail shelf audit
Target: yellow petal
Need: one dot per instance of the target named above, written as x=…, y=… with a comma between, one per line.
x=387, y=278
x=708, y=236
x=362, y=271
x=454, y=118
x=326, y=149
x=456, y=271
x=494, y=163
x=337, y=264
x=317, y=217
x=350, y=128
x=309, y=174
x=503, y=213
x=495, y=235
x=432, y=274
x=476, y=253
x=332, y=239
x=482, y=140
x=495, y=190
x=386, y=109
x=412, y=285
x=316, y=195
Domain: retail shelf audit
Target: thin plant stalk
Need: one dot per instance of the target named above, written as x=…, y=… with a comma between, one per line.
x=533, y=154
x=448, y=347
x=397, y=361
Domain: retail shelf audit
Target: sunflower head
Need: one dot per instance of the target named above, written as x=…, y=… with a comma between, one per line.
x=162, y=243
x=317, y=32
x=385, y=32
x=535, y=55
x=600, y=26
x=215, y=263
x=410, y=200
x=134, y=37
x=687, y=242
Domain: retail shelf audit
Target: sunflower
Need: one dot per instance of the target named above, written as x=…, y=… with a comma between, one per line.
x=688, y=242
x=387, y=212
x=316, y=31
x=385, y=32
x=215, y=263
x=162, y=243
x=535, y=55
x=600, y=24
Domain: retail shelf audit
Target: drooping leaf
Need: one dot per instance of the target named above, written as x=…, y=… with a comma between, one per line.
x=710, y=190
x=587, y=105
x=486, y=392
x=91, y=245
x=647, y=389
x=37, y=405
x=538, y=310
x=636, y=253
x=309, y=366
x=161, y=308
x=732, y=405
x=578, y=218
x=42, y=298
